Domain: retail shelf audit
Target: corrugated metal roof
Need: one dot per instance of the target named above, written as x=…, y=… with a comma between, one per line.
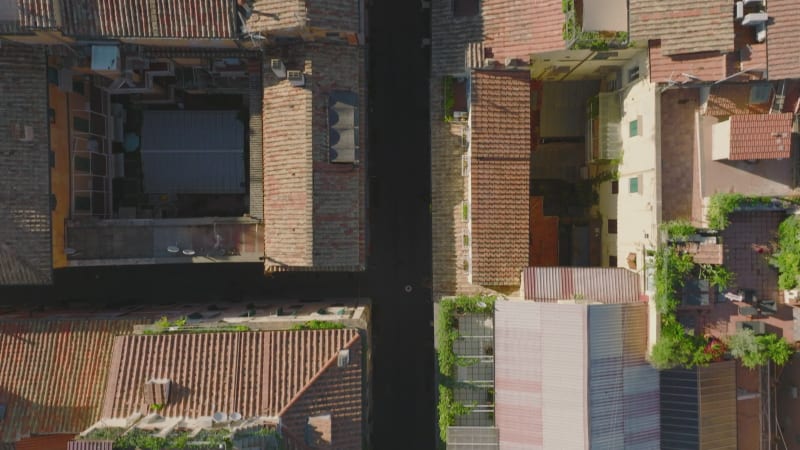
x=90, y=445
x=54, y=373
x=473, y=438
x=193, y=152
x=574, y=376
x=698, y=408
x=249, y=373
x=605, y=285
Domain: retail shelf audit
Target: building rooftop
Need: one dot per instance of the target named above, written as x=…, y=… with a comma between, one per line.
x=17, y=15
x=683, y=26
x=314, y=208
x=284, y=16
x=25, y=254
x=500, y=176
x=293, y=375
x=591, y=284
x=54, y=371
x=783, y=61
x=518, y=29
x=190, y=19
x=761, y=136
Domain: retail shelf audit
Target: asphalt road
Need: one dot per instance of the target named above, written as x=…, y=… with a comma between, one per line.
x=399, y=265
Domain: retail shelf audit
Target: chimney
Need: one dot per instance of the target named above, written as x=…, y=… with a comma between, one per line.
x=156, y=391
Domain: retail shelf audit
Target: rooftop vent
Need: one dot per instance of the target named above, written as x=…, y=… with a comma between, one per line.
x=22, y=133
x=156, y=391
x=344, y=358
x=278, y=68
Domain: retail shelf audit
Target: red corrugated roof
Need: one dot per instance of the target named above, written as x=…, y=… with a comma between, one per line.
x=254, y=374
x=783, y=59
x=500, y=175
x=761, y=136
x=605, y=285
x=53, y=374
x=47, y=442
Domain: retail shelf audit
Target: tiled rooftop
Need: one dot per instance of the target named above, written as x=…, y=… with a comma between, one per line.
x=53, y=375
x=518, y=29
x=708, y=66
x=25, y=253
x=291, y=374
x=783, y=60
x=31, y=14
x=150, y=18
x=761, y=136
x=283, y=16
x=500, y=176
x=684, y=26
x=314, y=209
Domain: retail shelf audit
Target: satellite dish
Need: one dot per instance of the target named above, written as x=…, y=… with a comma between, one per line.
x=173, y=249
x=188, y=252
x=219, y=417
x=236, y=416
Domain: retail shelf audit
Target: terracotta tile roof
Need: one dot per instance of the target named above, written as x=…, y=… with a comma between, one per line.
x=30, y=15
x=707, y=66
x=783, y=60
x=293, y=16
x=314, y=210
x=733, y=99
x=54, y=372
x=605, y=285
x=518, y=29
x=25, y=252
x=500, y=176
x=288, y=374
x=684, y=26
x=335, y=391
x=190, y=19
x=761, y=136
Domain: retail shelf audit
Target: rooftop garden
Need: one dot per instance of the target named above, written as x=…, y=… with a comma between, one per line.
x=577, y=39
x=450, y=309
x=786, y=255
x=182, y=325
x=679, y=347
x=218, y=438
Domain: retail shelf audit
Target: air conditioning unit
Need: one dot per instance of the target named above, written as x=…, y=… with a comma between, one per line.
x=278, y=68
x=65, y=80
x=296, y=77
x=753, y=19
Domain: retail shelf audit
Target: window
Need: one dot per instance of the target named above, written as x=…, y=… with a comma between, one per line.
x=633, y=74
x=612, y=226
x=464, y=8
x=633, y=128
x=612, y=260
x=633, y=185
x=615, y=187
x=52, y=75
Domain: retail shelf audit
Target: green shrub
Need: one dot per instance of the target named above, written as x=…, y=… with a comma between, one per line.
x=319, y=325
x=787, y=257
x=755, y=351
x=722, y=205
x=672, y=268
x=678, y=229
x=677, y=348
x=716, y=275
